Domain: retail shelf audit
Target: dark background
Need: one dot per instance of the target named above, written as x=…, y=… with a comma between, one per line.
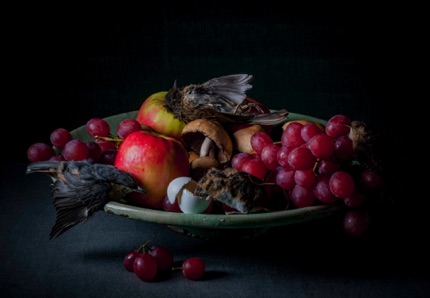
x=63, y=69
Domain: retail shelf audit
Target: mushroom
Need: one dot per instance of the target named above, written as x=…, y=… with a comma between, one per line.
x=200, y=164
x=192, y=156
x=242, y=138
x=208, y=139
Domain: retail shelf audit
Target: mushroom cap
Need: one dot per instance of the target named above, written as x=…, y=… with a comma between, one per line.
x=192, y=156
x=196, y=131
x=204, y=163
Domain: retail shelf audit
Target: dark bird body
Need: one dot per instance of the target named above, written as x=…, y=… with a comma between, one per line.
x=234, y=188
x=81, y=188
x=222, y=99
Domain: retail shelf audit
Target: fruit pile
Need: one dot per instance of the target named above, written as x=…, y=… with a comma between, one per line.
x=308, y=164
x=312, y=162
x=315, y=164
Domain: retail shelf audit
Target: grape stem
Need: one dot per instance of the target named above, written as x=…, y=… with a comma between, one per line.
x=114, y=139
x=109, y=139
x=143, y=247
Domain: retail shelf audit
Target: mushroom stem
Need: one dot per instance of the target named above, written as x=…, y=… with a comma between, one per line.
x=206, y=147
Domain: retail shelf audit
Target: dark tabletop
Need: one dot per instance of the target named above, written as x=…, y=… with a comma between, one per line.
x=64, y=70
x=306, y=260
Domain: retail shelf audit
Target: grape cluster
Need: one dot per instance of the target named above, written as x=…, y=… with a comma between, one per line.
x=102, y=148
x=314, y=164
x=148, y=263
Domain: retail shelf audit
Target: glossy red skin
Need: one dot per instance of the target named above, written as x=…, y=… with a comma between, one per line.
x=154, y=160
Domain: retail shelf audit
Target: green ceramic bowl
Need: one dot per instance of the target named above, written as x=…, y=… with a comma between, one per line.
x=214, y=225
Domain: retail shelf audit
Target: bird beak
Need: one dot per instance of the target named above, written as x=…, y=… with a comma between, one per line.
x=140, y=190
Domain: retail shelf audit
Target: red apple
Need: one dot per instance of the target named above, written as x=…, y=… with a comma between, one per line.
x=154, y=160
x=154, y=114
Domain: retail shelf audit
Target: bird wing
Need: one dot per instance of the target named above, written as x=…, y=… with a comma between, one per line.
x=272, y=118
x=76, y=200
x=233, y=87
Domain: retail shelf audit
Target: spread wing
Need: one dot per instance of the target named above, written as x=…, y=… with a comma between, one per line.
x=233, y=87
x=76, y=200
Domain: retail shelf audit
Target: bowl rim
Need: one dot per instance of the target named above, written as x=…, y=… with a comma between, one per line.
x=223, y=221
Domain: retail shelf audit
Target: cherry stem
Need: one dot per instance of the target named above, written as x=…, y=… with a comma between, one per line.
x=176, y=268
x=143, y=247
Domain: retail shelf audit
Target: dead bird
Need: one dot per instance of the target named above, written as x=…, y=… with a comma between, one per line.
x=234, y=188
x=222, y=99
x=81, y=188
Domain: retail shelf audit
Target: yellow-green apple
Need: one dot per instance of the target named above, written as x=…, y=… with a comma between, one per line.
x=154, y=113
x=154, y=160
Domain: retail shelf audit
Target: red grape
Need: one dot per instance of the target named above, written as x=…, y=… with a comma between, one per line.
x=106, y=145
x=75, y=150
x=127, y=126
x=285, y=178
x=259, y=140
x=301, y=158
x=356, y=223
x=356, y=199
x=255, y=168
x=97, y=127
x=167, y=206
x=321, y=189
x=108, y=157
x=145, y=266
x=370, y=179
x=291, y=136
x=282, y=155
x=341, y=184
x=238, y=160
x=163, y=257
x=60, y=137
x=302, y=196
x=337, y=126
x=269, y=156
x=328, y=167
x=321, y=146
x=343, y=148
x=309, y=130
x=193, y=268
x=129, y=258
x=305, y=178
x=95, y=151
x=40, y=152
